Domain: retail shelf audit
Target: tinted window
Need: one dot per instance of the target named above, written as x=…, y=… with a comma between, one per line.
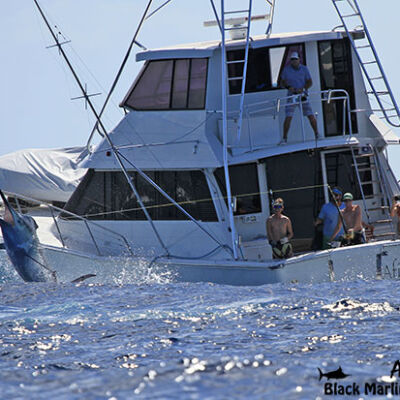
x=264, y=67
x=170, y=84
x=107, y=195
x=198, y=81
x=244, y=186
x=153, y=90
x=180, y=84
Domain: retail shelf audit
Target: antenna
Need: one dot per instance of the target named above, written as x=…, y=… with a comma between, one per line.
x=237, y=23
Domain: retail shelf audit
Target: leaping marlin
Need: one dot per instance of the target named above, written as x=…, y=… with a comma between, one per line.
x=22, y=245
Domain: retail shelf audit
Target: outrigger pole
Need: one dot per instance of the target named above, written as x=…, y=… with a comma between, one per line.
x=121, y=68
x=115, y=150
x=100, y=123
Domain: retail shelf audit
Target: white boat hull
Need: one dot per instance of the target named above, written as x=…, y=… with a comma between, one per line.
x=369, y=261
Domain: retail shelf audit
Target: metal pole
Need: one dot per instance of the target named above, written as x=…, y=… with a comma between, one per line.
x=119, y=72
x=246, y=58
x=271, y=17
x=114, y=150
x=225, y=135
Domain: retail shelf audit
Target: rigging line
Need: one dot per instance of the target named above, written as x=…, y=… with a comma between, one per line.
x=158, y=9
x=168, y=197
x=191, y=131
x=114, y=84
x=299, y=188
x=171, y=256
x=53, y=273
x=100, y=123
x=173, y=141
x=139, y=146
x=186, y=202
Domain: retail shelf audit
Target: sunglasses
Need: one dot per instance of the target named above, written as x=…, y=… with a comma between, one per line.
x=277, y=206
x=347, y=200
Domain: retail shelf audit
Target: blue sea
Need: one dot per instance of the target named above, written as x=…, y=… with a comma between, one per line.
x=157, y=339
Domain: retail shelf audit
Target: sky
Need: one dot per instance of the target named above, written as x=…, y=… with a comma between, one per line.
x=36, y=110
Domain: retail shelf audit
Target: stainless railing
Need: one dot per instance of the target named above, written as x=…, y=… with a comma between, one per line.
x=274, y=108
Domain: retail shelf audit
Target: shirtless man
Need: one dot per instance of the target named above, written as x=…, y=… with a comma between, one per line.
x=395, y=211
x=280, y=231
x=352, y=218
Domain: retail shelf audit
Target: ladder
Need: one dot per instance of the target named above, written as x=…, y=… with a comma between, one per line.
x=239, y=24
x=384, y=186
x=379, y=89
x=366, y=162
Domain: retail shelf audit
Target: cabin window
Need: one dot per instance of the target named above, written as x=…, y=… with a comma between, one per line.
x=106, y=195
x=170, y=85
x=244, y=187
x=264, y=67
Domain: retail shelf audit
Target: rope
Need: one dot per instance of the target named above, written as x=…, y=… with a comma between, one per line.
x=208, y=199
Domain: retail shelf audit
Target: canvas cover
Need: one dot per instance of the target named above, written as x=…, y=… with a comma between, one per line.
x=42, y=174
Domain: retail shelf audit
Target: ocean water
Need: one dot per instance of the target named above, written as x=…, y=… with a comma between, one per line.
x=152, y=340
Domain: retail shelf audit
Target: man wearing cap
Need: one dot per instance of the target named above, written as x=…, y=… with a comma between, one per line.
x=352, y=218
x=280, y=231
x=329, y=216
x=296, y=79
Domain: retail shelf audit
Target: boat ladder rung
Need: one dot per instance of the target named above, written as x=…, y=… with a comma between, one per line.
x=382, y=221
x=375, y=78
x=236, y=62
x=365, y=46
x=380, y=93
x=384, y=234
x=383, y=109
x=236, y=78
x=351, y=15
x=365, y=169
x=378, y=208
x=370, y=62
x=368, y=182
x=236, y=12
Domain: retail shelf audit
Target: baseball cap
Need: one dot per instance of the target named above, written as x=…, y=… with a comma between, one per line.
x=337, y=191
x=295, y=55
x=347, y=196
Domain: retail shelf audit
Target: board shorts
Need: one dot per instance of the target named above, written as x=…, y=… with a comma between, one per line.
x=282, y=250
x=358, y=238
x=293, y=102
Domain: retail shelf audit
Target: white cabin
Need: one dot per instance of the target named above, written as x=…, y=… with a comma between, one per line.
x=172, y=131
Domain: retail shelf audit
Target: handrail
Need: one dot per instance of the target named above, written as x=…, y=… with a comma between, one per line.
x=53, y=208
x=275, y=106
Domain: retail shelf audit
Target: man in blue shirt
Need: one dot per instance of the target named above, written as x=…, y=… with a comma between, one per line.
x=296, y=79
x=329, y=216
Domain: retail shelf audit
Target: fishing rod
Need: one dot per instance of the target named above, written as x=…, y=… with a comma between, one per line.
x=338, y=209
x=121, y=68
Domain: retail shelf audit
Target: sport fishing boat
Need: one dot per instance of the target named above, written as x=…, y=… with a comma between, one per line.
x=185, y=182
